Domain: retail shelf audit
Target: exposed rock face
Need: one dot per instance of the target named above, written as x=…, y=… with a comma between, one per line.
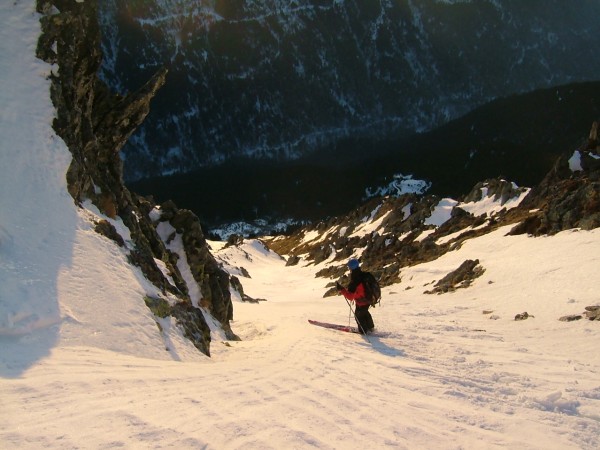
x=571, y=318
x=212, y=281
x=95, y=124
x=401, y=237
x=107, y=229
x=569, y=196
x=593, y=144
x=498, y=189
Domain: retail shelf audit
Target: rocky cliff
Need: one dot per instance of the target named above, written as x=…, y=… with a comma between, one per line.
x=95, y=123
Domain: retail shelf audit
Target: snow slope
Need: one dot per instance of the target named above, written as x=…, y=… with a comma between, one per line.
x=82, y=364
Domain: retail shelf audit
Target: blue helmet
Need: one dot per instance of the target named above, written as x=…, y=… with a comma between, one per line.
x=353, y=264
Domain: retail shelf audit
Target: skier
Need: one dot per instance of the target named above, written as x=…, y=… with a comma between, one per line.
x=356, y=293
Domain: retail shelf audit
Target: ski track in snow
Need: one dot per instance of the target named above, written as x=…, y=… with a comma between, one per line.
x=437, y=381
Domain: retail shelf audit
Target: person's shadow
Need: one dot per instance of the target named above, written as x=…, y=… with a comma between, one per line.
x=377, y=344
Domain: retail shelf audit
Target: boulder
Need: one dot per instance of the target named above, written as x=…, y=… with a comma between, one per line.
x=592, y=312
x=523, y=316
x=462, y=277
x=571, y=318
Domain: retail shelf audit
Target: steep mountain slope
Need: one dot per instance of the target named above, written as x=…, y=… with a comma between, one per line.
x=158, y=247
x=61, y=282
x=282, y=79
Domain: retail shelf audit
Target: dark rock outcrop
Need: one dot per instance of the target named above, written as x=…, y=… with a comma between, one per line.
x=212, y=281
x=107, y=229
x=95, y=124
x=500, y=190
x=462, y=277
x=236, y=285
x=569, y=196
x=571, y=318
x=523, y=316
x=592, y=312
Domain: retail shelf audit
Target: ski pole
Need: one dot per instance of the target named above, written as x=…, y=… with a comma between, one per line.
x=357, y=321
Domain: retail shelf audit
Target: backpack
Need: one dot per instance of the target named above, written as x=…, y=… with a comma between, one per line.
x=372, y=288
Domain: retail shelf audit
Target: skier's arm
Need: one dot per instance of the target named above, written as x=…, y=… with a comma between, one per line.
x=357, y=294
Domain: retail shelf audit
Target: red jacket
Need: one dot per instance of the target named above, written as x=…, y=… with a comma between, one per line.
x=358, y=296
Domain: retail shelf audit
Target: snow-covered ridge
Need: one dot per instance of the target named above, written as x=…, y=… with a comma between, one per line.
x=488, y=206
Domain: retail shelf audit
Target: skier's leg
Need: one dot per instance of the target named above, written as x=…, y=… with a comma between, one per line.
x=362, y=318
x=369, y=321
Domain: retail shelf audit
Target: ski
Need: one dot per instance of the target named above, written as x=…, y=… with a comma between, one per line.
x=346, y=328
x=335, y=326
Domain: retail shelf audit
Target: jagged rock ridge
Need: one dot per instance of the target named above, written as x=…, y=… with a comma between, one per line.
x=95, y=124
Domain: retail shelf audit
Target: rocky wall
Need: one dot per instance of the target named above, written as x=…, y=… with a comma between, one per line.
x=95, y=124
